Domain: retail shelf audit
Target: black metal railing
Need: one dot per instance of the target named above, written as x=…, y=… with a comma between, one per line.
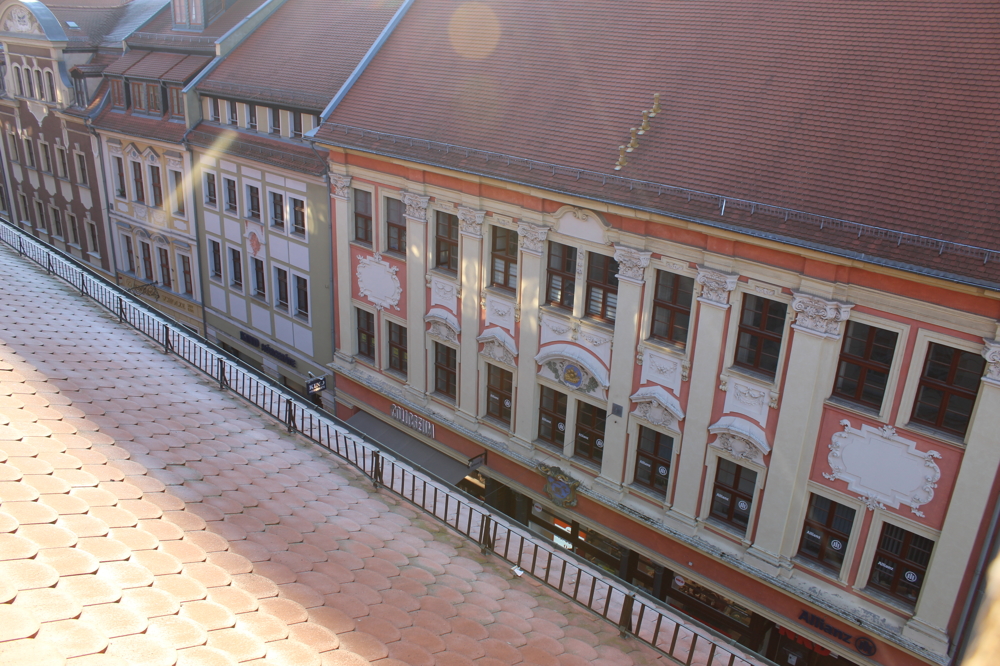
x=635, y=613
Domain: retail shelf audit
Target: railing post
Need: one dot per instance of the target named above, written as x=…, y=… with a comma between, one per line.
x=290, y=414
x=168, y=346
x=625, y=621
x=121, y=311
x=377, y=469
x=223, y=380
x=20, y=246
x=486, y=534
x=48, y=263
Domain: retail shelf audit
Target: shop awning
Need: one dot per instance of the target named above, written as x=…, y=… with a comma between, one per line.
x=412, y=449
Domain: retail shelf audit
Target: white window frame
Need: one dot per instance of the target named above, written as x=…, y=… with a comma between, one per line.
x=268, y=198
x=712, y=457
x=124, y=253
x=221, y=277
x=879, y=518
x=293, y=304
x=178, y=255
x=230, y=247
x=854, y=538
x=759, y=289
x=632, y=454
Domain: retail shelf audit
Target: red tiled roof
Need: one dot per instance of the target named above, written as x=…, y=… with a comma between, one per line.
x=158, y=65
x=162, y=24
x=879, y=113
x=257, y=147
x=158, y=129
x=303, y=53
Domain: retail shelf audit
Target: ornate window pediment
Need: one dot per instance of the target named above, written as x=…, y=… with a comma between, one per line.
x=151, y=156
x=444, y=325
x=133, y=153
x=499, y=346
x=740, y=438
x=656, y=406
x=573, y=367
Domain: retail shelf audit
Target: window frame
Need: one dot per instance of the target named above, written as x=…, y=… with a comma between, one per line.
x=499, y=394
x=395, y=229
x=276, y=209
x=558, y=437
x=231, y=196
x=654, y=459
x=274, y=120
x=82, y=173
x=865, y=364
x=671, y=309
x=949, y=389
x=259, y=275
x=252, y=117
x=146, y=259
x=215, y=259
x=302, y=304
x=29, y=153
x=446, y=247
x=62, y=162
x=736, y=495
x=595, y=415
x=828, y=534
x=46, y=161
x=235, y=256
x=187, y=274
x=397, y=342
x=365, y=330
x=156, y=185
x=281, y=283
x=175, y=179
x=363, y=217
x=504, y=262
x=163, y=261
x=762, y=332
x=138, y=183
x=129, y=254
x=901, y=562
x=252, y=193
x=603, y=284
x=121, y=182
x=298, y=217
x=211, y=190
x=446, y=372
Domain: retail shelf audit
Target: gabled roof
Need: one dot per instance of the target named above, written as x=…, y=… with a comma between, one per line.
x=102, y=22
x=302, y=54
x=173, y=67
x=881, y=114
x=159, y=31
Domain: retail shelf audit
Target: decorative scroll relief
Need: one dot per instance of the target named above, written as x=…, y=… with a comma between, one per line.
x=444, y=293
x=582, y=224
x=991, y=352
x=574, y=368
x=746, y=397
x=498, y=346
x=20, y=20
x=631, y=263
x=883, y=468
x=556, y=329
x=444, y=325
x=664, y=369
x=657, y=407
x=715, y=286
x=532, y=237
x=341, y=185
x=500, y=311
x=416, y=205
x=740, y=439
x=596, y=340
x=819, y=316
x=470, y=222
x=377, y=281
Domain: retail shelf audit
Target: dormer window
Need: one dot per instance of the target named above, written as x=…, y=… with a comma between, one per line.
x=176, y=102
x=118, y=93
x=214, y=108
x=138, y=97
x=154, y=98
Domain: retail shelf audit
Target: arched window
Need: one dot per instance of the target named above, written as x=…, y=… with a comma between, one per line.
x=51, y=83
x=38, y=82
x=29, y=89
x=18, y=86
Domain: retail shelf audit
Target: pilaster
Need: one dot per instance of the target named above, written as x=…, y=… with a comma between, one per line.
x=812, y=364
x=470, y=268
x=416, y=294
x=531, y=266
x=713, y=302
x=340, y=191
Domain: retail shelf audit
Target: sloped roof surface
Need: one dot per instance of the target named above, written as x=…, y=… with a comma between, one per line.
x=148, y=518
x=259, y=147
x=303, y=53
x=154, y=65
x=102, y=22
x=879, y=113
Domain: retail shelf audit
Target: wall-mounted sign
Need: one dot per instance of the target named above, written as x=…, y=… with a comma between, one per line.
x=862, y=644
x=316, y=385
x=268, y=349
x=477, y=461
x=411, y=420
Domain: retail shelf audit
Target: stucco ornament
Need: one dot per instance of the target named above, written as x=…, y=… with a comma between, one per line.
x=656, y=406
x=341, y=185
x=883, y=468
x=444, y=325
x=631, y=262
x=20, y=20
x=559, y=486
x=715, y=286
x=416, y=205
x=377, y=281
x=740, y=439
x=499, y=346
x=991, y=352
x=532, y=237
x=819, y=316
x=470, y=222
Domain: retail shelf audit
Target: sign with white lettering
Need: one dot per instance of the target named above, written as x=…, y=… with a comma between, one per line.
x=411, y=420
x=316, y=385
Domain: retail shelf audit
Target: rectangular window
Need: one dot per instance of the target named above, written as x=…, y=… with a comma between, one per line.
x=252, y=117
x=296, y=125
x=154, y=98
x=301, y=297
x=176, y=102
x=259, y=281
x=211, y=196
x=948, y=388
x=281, y=288
x=236, y=268
x=177, y=187
x=186, y=275
x=362, y=216
x=445, y=370
x=672, y=307
x=253, y=202
x=366, y=334
x=277, y=210
x=231, y=204
x=504, y=258
x=762, y=324
x=900, y=563
x=43, y=150
x=732, y=495
x=138, y=97
x=75, y=233
x=826, y=532
x=865, y=357
x=120, y=177
x=147, y=261
x=602, y=286
x=24, y=207
x=57, y=228
x=395, y=225
x=138, y=188
x=50, y=86
x=29, y=153
x=552, y=416
x=117, y=92
x=129, y=254
x=561, y=282
x=63, y=165
x=398, y=354
x=216, y=258
x=164, y=267
x=156, y=186
x=81, y=169
x=590, y=432
x=40, y=212
x=653, y=459
x=233, y=114
x=275, y=119
x=499, y=393
x=446, y=242
x=298, y=216
x=95, y=245
x=214, y=109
